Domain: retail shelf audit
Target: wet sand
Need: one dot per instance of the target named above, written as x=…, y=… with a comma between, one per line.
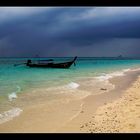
x=116, y=110
x=122, y=115
x=91, y=104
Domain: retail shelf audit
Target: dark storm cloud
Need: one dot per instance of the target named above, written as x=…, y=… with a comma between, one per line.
x=70, y=31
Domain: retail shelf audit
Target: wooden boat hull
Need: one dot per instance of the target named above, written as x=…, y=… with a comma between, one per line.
x=52, y=65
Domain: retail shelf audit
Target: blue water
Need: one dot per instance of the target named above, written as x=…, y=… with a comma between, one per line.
x=27, y=78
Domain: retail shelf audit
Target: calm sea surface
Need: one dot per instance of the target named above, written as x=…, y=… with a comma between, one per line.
x=21, y=78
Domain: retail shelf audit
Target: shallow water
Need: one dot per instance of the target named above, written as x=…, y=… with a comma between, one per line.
x=30, y=78
x=21, y=85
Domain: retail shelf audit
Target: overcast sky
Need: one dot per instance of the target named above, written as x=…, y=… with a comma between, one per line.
x=69, y=31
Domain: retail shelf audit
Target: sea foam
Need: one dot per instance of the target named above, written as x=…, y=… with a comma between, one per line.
x=105, y=77
x=126, y=70
x=72, y=85
x=9, y=115
x=13, y=95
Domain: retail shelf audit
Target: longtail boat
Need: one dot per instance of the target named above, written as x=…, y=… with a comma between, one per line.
x=50, y=64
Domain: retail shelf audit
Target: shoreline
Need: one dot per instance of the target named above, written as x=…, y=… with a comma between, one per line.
x=93, y=102
x=68, y=117
x=121, y=115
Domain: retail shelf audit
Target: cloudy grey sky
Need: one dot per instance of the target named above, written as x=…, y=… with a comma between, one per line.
x=69, y=31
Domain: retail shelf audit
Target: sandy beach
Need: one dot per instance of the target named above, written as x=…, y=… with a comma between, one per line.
x=122, y=115
x=116, y=110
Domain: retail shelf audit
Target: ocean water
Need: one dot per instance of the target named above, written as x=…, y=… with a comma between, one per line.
x=16, y=81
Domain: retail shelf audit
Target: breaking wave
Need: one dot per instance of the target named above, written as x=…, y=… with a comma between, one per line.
x=72, y=85
x=105, y=76
x=13, y=95
x=9, y=115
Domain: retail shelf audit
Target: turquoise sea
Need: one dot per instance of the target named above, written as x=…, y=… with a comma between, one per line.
x=22, y=78
x=21, y=85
